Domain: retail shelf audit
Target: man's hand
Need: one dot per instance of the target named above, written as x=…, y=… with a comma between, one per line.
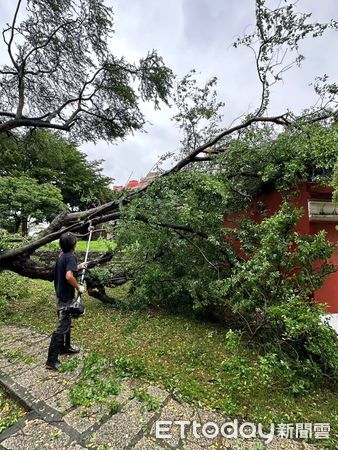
x=81, y=289
x=82, y=266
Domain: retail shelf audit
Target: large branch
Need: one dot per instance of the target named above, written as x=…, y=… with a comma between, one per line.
x=27, y=267
x=34, y=270
x=111, y=211
x=278, y=120
x=12, y=28
x=33, y=123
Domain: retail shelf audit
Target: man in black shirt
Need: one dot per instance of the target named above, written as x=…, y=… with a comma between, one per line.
x=65, y=285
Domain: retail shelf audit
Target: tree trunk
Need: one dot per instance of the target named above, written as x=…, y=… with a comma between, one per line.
x=24, y=229
x=17, y=224
x=33, y=269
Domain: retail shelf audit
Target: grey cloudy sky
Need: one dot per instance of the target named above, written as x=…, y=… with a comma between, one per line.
x=198, y=34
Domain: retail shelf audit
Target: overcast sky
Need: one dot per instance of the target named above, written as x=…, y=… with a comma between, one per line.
x=198, y=34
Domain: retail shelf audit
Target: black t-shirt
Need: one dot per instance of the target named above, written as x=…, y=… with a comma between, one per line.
x=65, y=262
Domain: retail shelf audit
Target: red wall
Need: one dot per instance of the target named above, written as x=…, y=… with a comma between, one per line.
x=272, y=200
x=328, y=293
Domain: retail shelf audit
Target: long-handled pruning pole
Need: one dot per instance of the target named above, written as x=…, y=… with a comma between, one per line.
x=76, y=309
x=90, y=229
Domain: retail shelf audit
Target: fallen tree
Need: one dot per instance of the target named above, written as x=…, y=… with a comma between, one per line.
x=76, y=102
x=181, y=255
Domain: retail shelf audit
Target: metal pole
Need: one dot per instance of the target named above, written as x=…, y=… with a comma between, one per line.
x=90, y=229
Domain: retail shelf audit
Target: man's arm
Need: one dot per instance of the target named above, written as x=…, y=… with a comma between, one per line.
x=72, y=280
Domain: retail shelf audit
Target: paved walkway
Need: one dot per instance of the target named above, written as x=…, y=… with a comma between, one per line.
x=52, y=423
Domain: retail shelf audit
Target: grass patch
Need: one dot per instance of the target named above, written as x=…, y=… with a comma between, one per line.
x=18, y=355
x=70, y=365
x=190, y=357
x=151, y=403
x=101, y=245
x=114, y=407
x=10, y=411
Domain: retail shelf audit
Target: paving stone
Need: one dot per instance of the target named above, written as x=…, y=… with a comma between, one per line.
x=18, y=367
x=130, y=426
x=13, y=332
x=160, y=394
x=276, y=444
x=4, y=362
x=38, y=435
x=82, y=418
x=47, y=388
x=242, y=444
x=193, y=446
x=288, y=444
x=75, y=446
x=28, y=343
x=21, y=363
x=12, y=347
x=36, y=375
x=147, y=443
x=202, y=417
x=121, y=429
x=5, y=338
x=173, y=411
x=60, y=401
x=38, y=349
x=126, y=392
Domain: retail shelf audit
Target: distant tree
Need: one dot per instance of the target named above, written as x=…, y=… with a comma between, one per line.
x=23, y=199
x=50, y=158
x=60, y=73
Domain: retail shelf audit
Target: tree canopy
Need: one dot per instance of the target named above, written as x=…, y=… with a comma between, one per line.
x=60, y=32
x=23, y=198
x=51, y=158
x=61, y=74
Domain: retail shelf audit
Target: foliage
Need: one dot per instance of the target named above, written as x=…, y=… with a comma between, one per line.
x=276, y=41
x=11, y=240
x=49, y=158
x=22, y=199
x=335, y=183
x=10, y=411
x=151, y=402
x=93, y=386
x=61, y=74
x=170, y=267
x=194, y=359
x=10, y=291
x=259, y=275
x=261, y=159
x=70, y=365
x=114, y=407
x=198, y=114
x=270, y=293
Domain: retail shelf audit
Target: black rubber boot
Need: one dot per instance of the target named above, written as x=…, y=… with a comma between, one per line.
x=67, y=348
x=54, y=350
x=67, y=339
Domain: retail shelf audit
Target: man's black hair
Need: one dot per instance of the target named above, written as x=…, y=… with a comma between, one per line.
x=67, y=242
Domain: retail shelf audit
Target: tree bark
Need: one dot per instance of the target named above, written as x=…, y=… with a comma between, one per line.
x=17, y=224
x=24, y=229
